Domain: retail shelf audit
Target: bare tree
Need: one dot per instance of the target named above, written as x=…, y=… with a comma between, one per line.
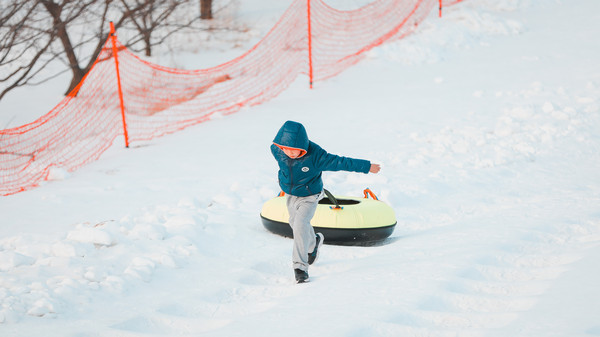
x=34, y=33
x=87, y=13
x=23, y=49
x=152, y=14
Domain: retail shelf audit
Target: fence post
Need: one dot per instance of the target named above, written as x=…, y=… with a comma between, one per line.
x=310, y=65
x=115, y=54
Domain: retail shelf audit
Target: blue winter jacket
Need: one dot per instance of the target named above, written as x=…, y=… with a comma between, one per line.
x=302, y=176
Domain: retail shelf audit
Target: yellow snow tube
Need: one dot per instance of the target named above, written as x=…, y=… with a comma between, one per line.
x=341, y=220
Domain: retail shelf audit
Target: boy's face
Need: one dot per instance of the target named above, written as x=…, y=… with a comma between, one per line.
x=292, y=153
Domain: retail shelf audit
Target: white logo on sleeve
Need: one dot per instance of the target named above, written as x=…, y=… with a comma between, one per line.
x=305, y=169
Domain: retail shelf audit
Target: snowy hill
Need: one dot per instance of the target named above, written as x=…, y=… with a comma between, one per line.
x=487, y=126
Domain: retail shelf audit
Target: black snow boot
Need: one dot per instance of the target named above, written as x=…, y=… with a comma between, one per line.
x=312, y=257
x=301, y=276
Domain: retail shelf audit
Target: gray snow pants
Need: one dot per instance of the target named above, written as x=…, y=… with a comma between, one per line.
x=301, y=210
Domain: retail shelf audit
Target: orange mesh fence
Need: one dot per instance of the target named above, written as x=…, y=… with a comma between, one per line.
x=447, y=3
x=159, y=100
x=77, y=131
x=340, y=38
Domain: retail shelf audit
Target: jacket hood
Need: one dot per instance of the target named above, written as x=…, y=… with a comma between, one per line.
x=292, y=135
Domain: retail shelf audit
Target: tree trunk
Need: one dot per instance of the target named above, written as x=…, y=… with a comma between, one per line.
x=206, y=9
x=61, y=32
x=78, y=75
x=148, y=47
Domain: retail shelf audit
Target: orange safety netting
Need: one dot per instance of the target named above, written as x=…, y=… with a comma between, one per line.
x=310, y=38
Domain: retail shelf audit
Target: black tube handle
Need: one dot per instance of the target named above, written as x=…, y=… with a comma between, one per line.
x=332, y=199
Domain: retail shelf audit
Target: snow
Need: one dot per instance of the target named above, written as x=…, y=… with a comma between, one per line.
x=486, y=123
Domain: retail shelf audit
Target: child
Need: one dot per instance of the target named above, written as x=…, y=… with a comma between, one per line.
x=301, y=163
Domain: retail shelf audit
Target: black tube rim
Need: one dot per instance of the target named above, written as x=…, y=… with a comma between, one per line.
x=347, y=236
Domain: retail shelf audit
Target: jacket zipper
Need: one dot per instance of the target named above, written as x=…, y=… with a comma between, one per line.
x=289, y=163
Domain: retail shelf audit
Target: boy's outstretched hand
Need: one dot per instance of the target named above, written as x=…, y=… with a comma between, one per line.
x=374, y=168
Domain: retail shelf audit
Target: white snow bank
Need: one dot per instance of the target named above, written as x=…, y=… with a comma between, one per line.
x=490, y=160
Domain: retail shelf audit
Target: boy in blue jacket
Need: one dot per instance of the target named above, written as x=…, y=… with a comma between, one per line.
x=301, y=163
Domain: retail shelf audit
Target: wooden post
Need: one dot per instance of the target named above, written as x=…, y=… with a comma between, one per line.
x=310, y=65
x=206, y=9
x=115, y=55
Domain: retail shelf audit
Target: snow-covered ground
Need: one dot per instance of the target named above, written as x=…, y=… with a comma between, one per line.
x=487, y=126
